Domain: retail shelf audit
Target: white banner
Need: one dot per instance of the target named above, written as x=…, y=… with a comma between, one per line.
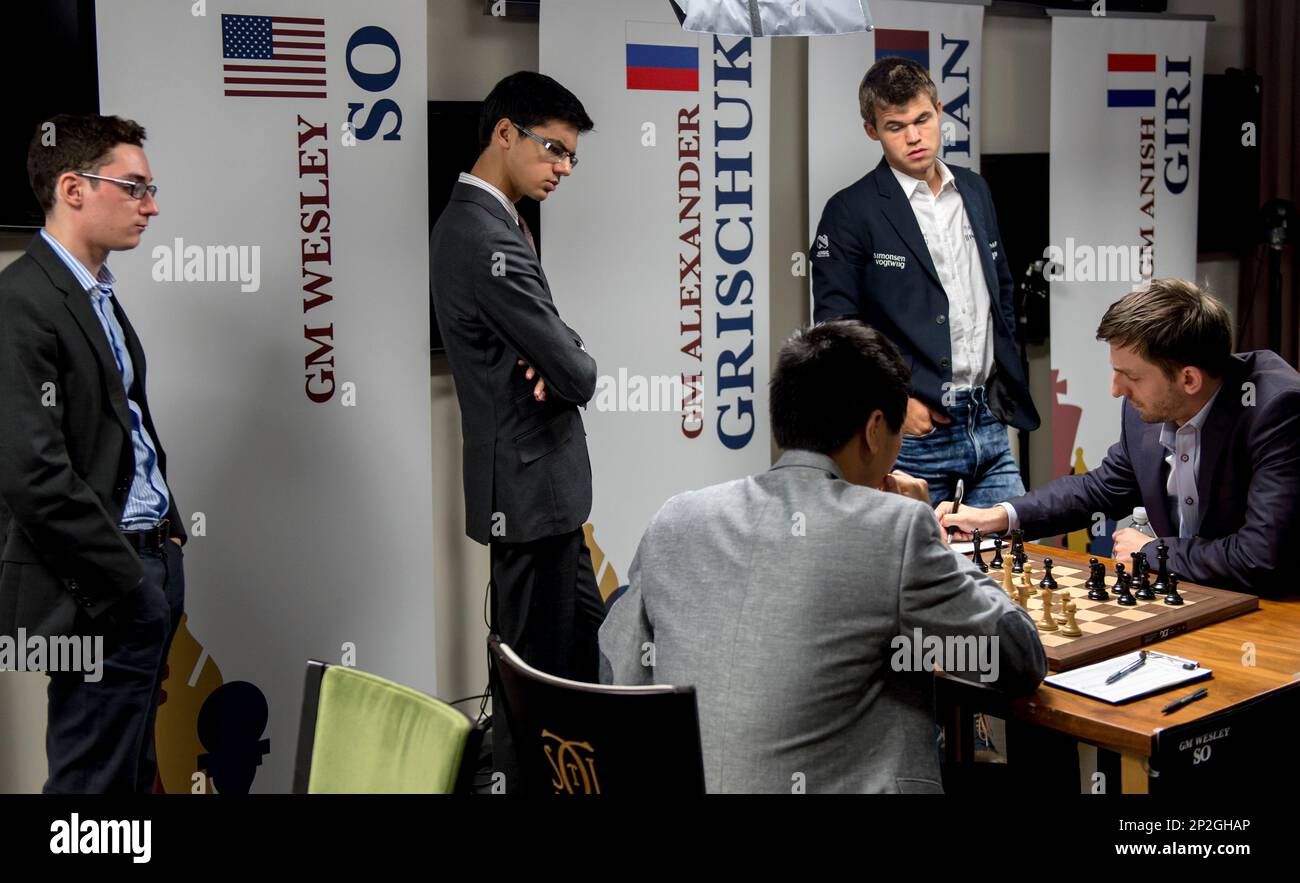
x=656, y=249
x=1126, y=120
x=282, y=299
x=945, y=37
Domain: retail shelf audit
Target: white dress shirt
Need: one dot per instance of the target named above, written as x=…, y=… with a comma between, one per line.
x=1183, y=444
x=951, y=243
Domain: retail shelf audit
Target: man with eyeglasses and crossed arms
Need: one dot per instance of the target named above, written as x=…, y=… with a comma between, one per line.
x=521, y=374
x=91, y=534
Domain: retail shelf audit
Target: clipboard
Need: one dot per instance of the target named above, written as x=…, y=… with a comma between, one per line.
x=1160, y=672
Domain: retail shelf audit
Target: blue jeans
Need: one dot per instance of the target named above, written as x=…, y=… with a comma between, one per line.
x=972, y=447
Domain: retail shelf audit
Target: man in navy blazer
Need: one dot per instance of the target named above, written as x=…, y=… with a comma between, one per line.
x=913, y=249
x=1209, y=444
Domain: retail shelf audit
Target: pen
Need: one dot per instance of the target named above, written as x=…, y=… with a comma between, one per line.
x=1186, y=700
x=956, y=502
x=1134, y=666
x=1186, y=663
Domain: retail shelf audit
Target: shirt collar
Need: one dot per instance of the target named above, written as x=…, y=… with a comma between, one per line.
x=475, y=181
x=813, y=459
x=1170, y=430
x=909, y=184
x=104, y=282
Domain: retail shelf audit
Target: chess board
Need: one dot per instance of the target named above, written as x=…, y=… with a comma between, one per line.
x=1110, y=629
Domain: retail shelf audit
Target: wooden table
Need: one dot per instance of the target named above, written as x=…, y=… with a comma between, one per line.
x=1131, y=730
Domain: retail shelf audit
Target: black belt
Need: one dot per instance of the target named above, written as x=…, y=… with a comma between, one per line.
x=148, y=540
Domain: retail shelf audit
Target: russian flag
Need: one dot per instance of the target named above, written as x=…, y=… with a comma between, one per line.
x=904, y=44
x=1124, y=71
x=662, y=57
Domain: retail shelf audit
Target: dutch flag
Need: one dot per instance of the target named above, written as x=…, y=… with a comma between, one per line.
x=1126, y=76
x=662, y=57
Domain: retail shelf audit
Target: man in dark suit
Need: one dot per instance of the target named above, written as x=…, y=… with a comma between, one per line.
x=521, y=374
x=1209, y=445
x=913, y=249
x=91, y=532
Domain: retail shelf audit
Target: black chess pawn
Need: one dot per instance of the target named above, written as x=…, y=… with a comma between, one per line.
x=1098, y=591
x=1124, y=588
x=1162, y=576
x=1173, y=599
x=1018, y=556
x=978, y=538
x=997, y=562
x=1144, y=592
x=1092, y=574
x=1048, y=581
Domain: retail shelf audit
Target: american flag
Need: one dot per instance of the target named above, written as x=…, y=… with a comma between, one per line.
x=286, y=56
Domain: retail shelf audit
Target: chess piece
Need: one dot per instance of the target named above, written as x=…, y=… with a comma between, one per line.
x=1065, y=599
x=1173, y=599
x=1071, y=628
x=1161, y=585
x=1009, y=583
x=1124, y=589
x=1048, y=581
x=997, y=562
x=978, y=558
x=1048, y=622
x=1145, y=592
x=1017, y=551
x=1027, y=579
x=1092, y=582
x=1098, y=591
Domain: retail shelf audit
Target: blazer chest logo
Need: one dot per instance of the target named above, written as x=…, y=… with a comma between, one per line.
x=890, y=261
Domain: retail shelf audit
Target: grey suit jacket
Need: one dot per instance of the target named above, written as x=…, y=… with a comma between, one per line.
x=792, y=600
x=526, y=470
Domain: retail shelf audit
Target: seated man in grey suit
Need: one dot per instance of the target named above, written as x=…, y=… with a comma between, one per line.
x=1209, y=445
x=797, y=601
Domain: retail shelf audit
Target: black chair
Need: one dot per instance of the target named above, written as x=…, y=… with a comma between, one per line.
x=576, y=738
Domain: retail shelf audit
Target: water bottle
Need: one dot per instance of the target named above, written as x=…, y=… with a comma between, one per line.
x=1141, y=523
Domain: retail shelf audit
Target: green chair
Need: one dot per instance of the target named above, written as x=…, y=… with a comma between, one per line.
x=363, y=734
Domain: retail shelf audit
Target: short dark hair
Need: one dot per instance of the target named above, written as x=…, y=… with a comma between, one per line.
x=80, y=143
x=893, y=82
x=1173, y=324
x=828, y=381
x=530, y=99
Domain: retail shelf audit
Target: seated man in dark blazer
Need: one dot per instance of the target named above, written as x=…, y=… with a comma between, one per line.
x=913, y=249
x=521, y=375
x=1209, y=444
x=91, y=533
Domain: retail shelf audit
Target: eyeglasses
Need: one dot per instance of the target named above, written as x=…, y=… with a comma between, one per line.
x=554, y=148
x=137, y=189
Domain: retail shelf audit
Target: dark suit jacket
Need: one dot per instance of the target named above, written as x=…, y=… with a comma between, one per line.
x=853, y=278
x=524, y=459
x=1248, y=484
x=66, y=463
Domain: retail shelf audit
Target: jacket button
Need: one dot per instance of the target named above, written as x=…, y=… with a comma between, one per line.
x=940, y=319
x=944, y=362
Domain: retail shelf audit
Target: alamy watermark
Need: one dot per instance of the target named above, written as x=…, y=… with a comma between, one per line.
x=956, y=654
x=61, y=653
x=214, y=263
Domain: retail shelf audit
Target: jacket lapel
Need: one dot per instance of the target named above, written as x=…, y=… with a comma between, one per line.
x=77, y=300
x=980, y=229
x=898, y=211
x=492, y=206
x=1215, y=433
x=1149, y=464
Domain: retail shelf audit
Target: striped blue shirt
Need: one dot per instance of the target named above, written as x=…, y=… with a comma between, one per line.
x=149, y=500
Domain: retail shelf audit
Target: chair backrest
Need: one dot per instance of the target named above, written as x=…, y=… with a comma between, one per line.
x=577, y=738
x=363, y=734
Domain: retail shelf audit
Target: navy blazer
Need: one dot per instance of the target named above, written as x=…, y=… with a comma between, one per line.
x=870, y=262
x=1248, y=483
